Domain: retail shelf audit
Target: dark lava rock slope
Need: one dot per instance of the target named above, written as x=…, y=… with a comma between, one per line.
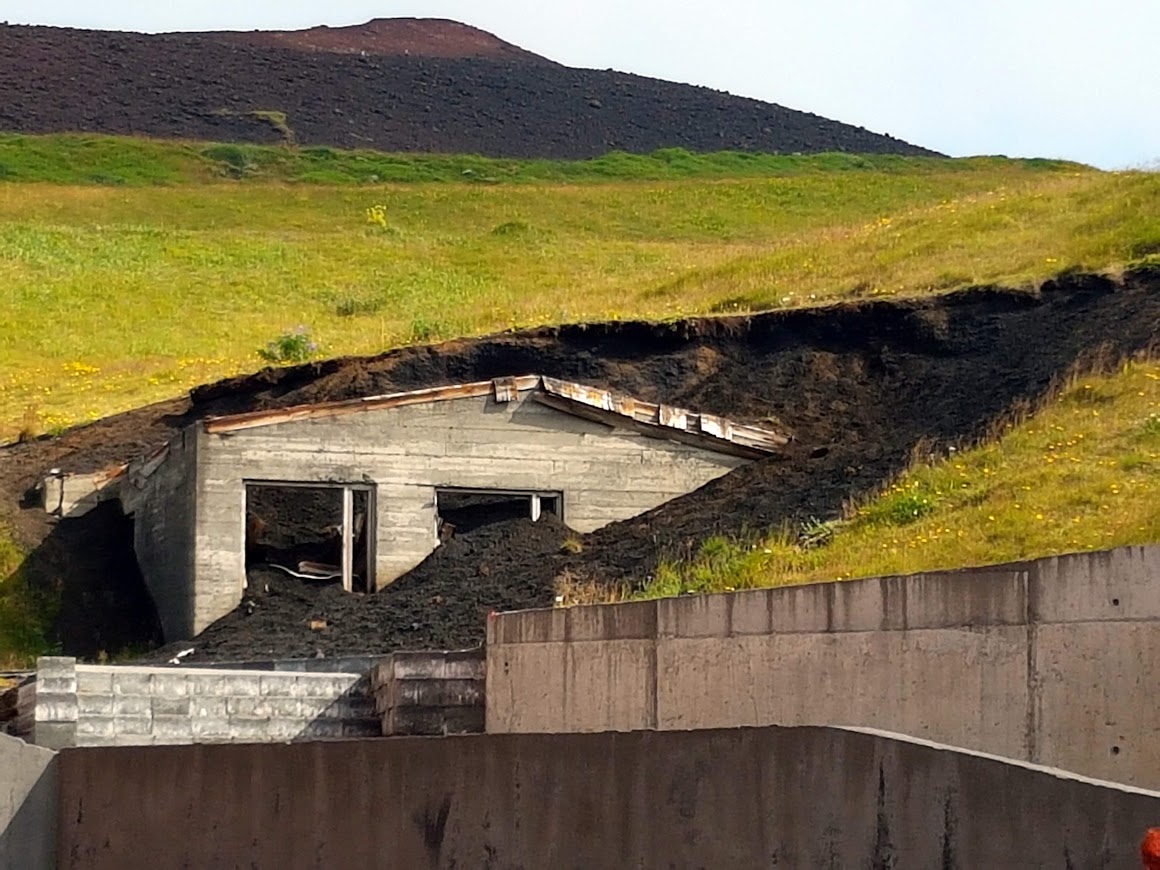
x=208, y=87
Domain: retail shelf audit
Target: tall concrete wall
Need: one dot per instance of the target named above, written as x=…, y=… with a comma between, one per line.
x=799, y=798
x=131, y=706
x=28, y=806
x=604, y=473
x=1053, y=661
x=159, y=493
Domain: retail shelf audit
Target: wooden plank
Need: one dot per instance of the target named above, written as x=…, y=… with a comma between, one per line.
x=253, y=419
x=506, y=389
x=673, y=418
x=706, y=442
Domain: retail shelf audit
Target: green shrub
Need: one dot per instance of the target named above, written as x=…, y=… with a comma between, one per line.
x=290, y=347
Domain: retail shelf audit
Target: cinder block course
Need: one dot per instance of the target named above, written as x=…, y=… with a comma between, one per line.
x=132, y=682
x=249, y=730
x=205, y=707
x=56, y=666
x=55, y=707
x=162, y=706
x=96, y=726
x=231, y=685
x=322, y=729
x=146, y=705
x=319, y=686
x=93, y=681
x=56, y=685
x=94, y=705
x=173, y=729
x=436, y=693
x=208, y=727
x=132, y=705
x=133, y=725
x=170, y=686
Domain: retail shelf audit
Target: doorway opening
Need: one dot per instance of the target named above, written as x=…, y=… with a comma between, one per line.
x=465, y=510
x=318, y=532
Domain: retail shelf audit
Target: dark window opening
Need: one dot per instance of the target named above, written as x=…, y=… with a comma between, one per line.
x=302, y=530
x=465, y=510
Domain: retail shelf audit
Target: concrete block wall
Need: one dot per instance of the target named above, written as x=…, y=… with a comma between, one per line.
x=430, y=692
x=1049, y=661
x=606, y=474
x=128, y=706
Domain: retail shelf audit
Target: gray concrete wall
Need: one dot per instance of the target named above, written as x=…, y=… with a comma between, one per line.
x=1050, y=661
x=163, y=509
x=769, y=797
x=605, y=474
x=129, y=706
x=28, y=806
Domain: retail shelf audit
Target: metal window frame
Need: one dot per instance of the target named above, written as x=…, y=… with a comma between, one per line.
x=535, y=496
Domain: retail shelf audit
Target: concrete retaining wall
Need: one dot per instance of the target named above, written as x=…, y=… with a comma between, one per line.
x=800, y=797
x=92, y=705
x=28, y=806
x=1053, y=661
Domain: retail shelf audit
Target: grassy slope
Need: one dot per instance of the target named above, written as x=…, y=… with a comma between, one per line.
x=1082, y=473
x=130, y=271
x=114, y=296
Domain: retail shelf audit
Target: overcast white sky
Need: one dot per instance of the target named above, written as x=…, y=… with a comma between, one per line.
x=1050, y=78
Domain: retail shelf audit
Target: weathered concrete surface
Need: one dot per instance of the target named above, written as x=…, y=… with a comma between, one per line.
x=159, y=492
x=430, y=692
x=1050, y=661
x=28, y=806
x=115, y=705
x=190, y=507
x=797, y=797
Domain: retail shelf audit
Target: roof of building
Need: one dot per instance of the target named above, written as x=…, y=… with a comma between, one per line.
x=657, y=420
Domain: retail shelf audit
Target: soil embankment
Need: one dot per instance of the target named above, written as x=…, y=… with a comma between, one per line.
x=860, y=385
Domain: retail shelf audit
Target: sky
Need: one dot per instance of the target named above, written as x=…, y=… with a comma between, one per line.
x=1075, y=79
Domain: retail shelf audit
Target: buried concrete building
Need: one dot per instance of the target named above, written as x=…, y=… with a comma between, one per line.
x=359, y=492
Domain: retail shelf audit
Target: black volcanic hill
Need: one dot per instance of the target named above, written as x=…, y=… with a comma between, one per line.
x=505, y=103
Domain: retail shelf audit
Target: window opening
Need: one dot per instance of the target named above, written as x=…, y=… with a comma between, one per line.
x=318, y=533
x=465, y=510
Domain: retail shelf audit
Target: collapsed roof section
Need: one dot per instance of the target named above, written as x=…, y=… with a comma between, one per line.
x=67, y=494
x=603, y=406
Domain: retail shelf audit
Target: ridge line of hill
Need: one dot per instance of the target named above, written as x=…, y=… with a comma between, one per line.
x=194, y=86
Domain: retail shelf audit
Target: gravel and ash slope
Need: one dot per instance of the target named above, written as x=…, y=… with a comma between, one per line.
x=457, y=91
x=859, y=384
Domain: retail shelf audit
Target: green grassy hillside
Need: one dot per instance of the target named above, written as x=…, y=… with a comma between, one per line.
x=115, y=295
x=133, y=270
